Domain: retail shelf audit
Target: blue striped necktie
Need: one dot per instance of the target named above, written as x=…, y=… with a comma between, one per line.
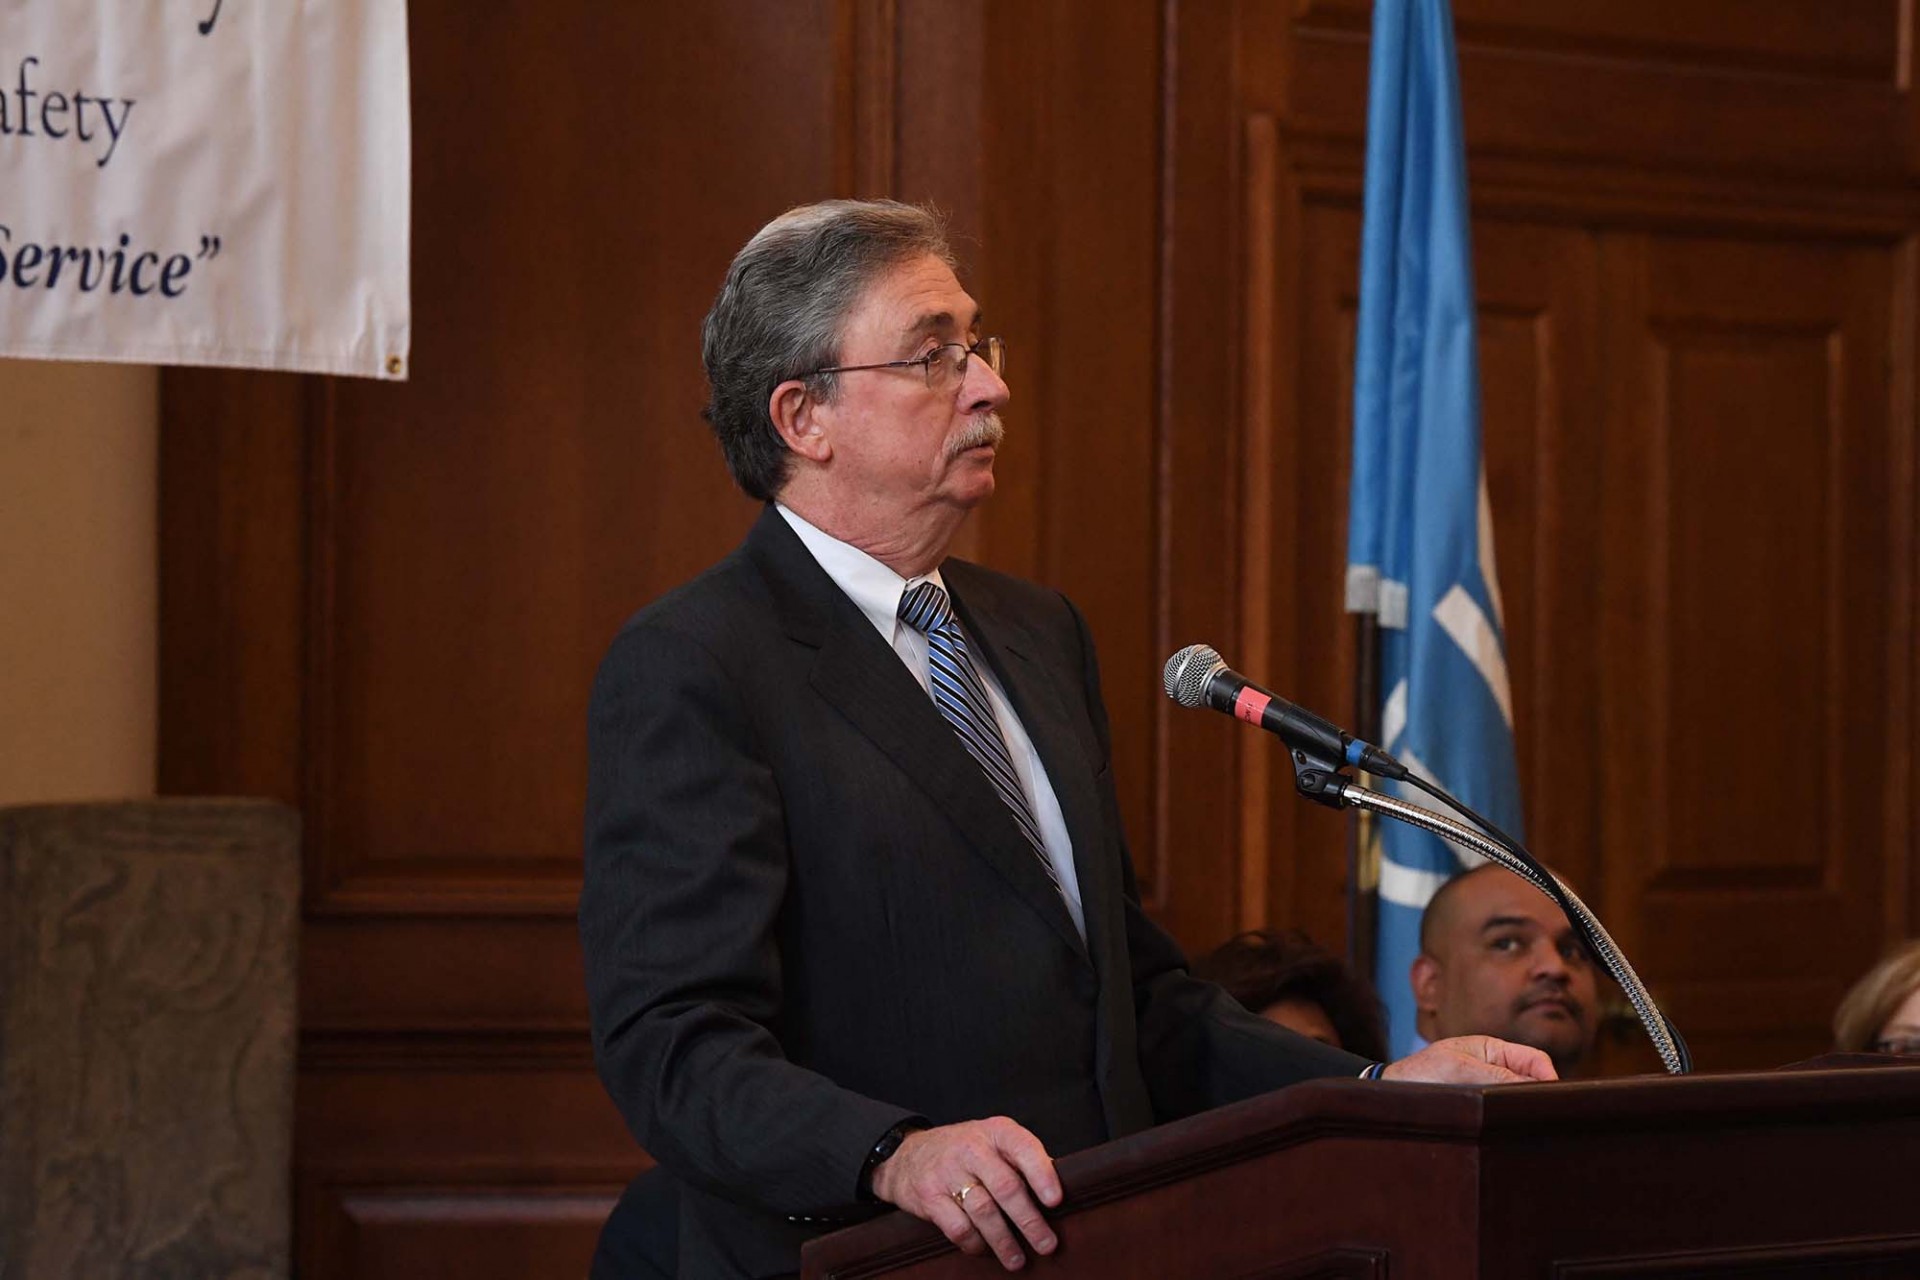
x=962, y=698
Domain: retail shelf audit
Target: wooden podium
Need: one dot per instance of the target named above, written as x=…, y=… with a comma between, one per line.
x=1802, y=1173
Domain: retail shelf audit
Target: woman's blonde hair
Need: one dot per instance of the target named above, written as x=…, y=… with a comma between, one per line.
x=1866, y=1008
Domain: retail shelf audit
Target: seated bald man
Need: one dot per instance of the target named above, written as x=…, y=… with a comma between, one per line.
x=1498, y=958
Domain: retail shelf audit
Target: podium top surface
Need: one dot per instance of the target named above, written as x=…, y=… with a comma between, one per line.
x=1827, y=1090
x=1837, y=1092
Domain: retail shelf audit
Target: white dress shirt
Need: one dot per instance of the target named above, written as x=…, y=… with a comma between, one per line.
x=876, y=589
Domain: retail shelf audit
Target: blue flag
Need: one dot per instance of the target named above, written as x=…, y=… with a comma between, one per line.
x=1420, y=536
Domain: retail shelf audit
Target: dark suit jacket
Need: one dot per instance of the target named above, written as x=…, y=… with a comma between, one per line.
x=807, y=916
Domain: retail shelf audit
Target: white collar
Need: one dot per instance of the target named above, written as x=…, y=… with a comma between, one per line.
x=871, y=585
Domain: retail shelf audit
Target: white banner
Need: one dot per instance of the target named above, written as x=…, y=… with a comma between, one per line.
x=206, y=182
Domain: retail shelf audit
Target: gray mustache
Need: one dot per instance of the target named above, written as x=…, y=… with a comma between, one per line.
x=985, y=429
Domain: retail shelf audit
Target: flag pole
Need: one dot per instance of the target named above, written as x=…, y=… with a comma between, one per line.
x=1363, y=859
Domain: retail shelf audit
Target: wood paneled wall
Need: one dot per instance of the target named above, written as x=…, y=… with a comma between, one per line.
x=1695, y=249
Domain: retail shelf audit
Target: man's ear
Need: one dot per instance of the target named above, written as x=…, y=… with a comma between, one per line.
x=799, y=419
x=1424, y=977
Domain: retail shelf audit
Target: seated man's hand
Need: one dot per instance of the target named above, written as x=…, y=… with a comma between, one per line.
x=970, y=1180
x=1472, y=1060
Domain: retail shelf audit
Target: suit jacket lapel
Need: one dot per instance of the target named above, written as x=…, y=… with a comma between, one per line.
x=1034, y=691
x=864, y=679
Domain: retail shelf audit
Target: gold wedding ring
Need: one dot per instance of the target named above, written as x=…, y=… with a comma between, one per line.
x=960, y=1196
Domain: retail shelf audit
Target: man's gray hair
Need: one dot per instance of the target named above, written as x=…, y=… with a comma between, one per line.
x=780, y=313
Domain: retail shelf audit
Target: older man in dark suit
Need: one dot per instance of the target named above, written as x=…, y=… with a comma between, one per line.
x=859, y=919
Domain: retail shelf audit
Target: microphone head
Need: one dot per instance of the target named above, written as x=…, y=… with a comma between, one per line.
x=1187, y=674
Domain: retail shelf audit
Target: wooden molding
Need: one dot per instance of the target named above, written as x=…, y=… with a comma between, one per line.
x=866, y=90
x=1255, y=474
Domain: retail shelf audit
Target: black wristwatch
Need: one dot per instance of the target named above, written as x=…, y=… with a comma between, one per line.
x=889, y=1143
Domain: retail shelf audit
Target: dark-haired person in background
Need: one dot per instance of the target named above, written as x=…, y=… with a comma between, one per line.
x=1288, y=978
x=859, y=920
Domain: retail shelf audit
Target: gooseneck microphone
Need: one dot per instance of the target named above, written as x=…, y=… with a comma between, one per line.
x=1197, y=676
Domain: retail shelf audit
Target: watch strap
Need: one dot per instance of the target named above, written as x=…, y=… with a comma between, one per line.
x=883, y=1149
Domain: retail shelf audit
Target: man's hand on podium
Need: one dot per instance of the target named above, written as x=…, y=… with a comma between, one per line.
x=974, y=1179
x=964, y=1177
x=1472, y=1060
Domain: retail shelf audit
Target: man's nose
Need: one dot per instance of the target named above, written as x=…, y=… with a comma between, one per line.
x=1549, y=963
x=982, y=389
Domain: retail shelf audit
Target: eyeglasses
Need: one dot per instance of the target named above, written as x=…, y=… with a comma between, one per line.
x=944, y=366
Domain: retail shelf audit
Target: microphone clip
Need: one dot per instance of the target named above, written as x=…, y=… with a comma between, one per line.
x=1317, y=779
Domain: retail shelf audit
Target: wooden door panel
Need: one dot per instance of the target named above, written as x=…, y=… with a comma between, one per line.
x=463, y=1157
x=499, y=1233
x=1788, y=86
x=1747, y=582
x=482, y=530
x=1070, y=277
x=1855, y=41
